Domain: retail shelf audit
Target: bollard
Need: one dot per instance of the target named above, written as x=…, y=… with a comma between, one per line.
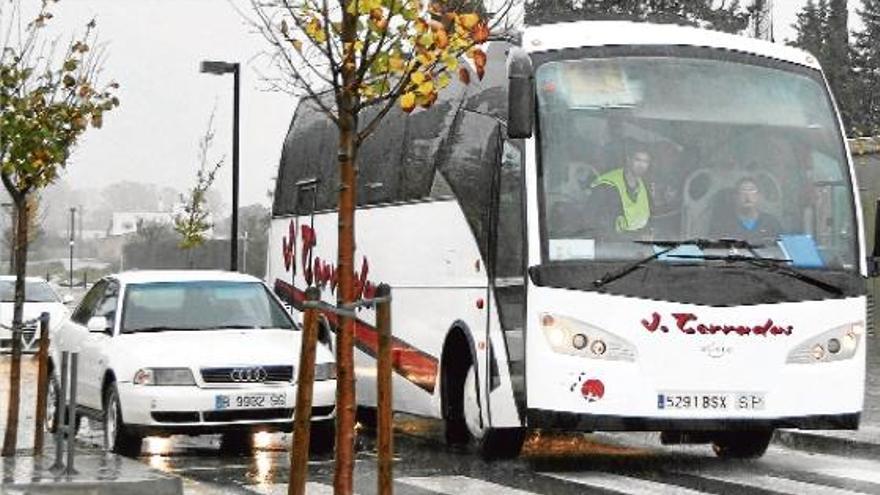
x=385, y=438
x=58, y=466
x=299, y=457
x=42, y=383
x=70, y=421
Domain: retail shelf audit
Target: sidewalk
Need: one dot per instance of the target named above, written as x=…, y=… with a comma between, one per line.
x=865, y=442
x=98, y=473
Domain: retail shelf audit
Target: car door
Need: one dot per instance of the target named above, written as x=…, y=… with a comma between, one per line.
x=94, y=348
x=74, y=332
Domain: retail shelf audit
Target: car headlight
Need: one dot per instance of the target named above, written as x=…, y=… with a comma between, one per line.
x=164, y=376
x=325, y=371
x=569, y=336
x=836, y=344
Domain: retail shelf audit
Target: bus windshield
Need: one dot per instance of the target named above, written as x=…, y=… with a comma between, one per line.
x=660, y=148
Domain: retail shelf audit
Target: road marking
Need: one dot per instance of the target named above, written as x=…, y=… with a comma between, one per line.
x=776, y=484
x=622, y=484
x=849, y=473
x=312, y=488
x=458, y=485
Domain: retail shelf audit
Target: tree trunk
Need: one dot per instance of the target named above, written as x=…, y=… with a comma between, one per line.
x=343, y=483
x=21, y=235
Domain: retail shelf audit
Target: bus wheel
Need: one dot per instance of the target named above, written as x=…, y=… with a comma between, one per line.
x=742, y=444
x=491, y=443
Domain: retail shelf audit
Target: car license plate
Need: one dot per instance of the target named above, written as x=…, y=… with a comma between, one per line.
x=249, y=401
x=711, y=401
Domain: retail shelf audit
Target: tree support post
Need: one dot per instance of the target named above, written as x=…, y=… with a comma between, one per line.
x=383, y=391
x=299, y=461
x=42, y=383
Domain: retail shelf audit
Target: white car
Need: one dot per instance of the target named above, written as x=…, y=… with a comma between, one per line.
x=39, y=297
x=190, y=352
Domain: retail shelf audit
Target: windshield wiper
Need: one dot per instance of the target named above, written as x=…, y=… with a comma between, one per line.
x=670, y=246
x=771, y=264
x=626, y=270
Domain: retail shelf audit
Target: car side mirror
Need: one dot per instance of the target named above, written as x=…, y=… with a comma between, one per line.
x=98, y=324
x=874, y=259
x=67, y=299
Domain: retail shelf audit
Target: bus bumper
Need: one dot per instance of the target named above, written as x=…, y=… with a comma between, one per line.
x=558, y=420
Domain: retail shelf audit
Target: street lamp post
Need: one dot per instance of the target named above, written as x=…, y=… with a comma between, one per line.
x=214, y=67
x=72, y=234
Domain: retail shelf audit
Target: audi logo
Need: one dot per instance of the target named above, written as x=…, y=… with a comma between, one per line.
x=248, y=375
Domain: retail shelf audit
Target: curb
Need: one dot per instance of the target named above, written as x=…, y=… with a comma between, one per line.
x=823, y=443
x=161, y=486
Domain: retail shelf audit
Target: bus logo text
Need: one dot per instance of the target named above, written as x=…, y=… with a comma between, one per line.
x=690, y=324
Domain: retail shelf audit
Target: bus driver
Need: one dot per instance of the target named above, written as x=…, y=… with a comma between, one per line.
x=746, y=221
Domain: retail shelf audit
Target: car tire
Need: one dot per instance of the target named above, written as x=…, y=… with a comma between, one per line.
x=53, y=390
x=53, y=418
x=117, y=436
x=238, y=442
x=742, y=444
x=322, y=436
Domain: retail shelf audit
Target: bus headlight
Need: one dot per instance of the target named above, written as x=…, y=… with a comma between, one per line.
x=574, y=337
x=836, y=344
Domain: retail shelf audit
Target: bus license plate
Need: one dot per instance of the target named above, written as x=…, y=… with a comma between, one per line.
x=711, y=401
x=249, y=401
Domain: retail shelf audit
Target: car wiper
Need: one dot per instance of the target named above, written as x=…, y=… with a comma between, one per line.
x=670, y=245
x=234, y=327
x=771, y=264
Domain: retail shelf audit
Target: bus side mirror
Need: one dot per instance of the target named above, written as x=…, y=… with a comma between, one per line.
x=874, y=259
x=520, y=95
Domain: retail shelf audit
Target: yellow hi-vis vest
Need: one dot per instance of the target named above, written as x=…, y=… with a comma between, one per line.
x=635, y=213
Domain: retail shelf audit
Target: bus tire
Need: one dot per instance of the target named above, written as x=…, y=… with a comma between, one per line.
x=742, y=444
x=465, y=426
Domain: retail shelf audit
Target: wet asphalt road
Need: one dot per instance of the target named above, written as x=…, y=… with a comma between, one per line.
x=550, y=464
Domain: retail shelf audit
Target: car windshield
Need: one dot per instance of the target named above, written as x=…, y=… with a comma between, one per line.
x=642, y=148
x=201, y=305
x=34, y=291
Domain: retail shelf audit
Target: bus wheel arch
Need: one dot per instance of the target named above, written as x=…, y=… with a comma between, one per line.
x=457, y=358
x=459, y=370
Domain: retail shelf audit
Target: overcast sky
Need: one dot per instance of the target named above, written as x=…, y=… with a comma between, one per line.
x=154, y=49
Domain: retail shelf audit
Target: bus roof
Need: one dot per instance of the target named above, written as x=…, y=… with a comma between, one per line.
x=560, y=36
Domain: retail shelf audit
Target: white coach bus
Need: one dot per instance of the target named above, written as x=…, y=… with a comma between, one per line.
x=622, y=227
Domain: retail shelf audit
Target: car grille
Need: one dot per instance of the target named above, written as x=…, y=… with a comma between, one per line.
x=225, y=375
x=175, y=417
x=247, y=414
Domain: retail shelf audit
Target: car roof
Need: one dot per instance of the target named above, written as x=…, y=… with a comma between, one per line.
x=148, y=276
x=563, y=35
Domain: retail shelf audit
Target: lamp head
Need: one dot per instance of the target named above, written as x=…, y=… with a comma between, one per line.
x=217, y=67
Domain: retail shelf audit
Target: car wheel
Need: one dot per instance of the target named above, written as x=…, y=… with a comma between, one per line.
x=322, y=436
x=53, y=418
x=117, y=437
x=237, y=442
x=742, y=444
x=52, y=392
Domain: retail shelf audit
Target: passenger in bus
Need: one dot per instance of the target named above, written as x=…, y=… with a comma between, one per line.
x=620, y=196
x=746, y=221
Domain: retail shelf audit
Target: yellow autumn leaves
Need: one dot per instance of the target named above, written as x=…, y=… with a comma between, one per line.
x=408, y=48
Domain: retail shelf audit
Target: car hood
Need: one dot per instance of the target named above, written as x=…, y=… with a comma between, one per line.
x=205, y=348
x=57, y=312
